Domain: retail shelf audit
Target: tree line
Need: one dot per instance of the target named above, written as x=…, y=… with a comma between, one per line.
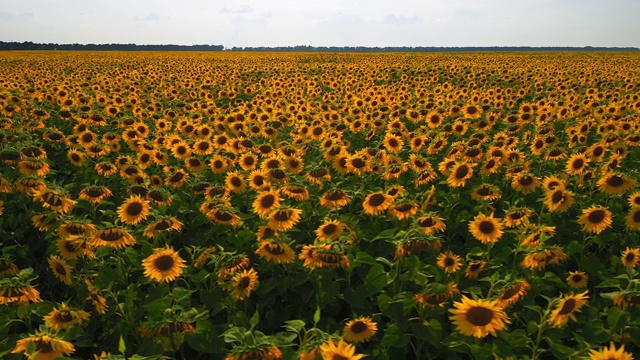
x=28, y=45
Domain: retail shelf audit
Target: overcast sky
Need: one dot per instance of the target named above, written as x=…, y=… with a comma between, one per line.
x=325, y=22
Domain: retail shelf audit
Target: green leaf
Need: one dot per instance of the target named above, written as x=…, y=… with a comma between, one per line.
x=316, y=315
x=122, y=347
x=376, y=280
x=394, y=337
x=294, y=325
x=617, y=319
x=255, y=319
x=385, y=235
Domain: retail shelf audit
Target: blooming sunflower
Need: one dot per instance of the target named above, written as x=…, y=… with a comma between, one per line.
x=334, y=198
x=517, y=217
x=632, y=220
x=60, y=269
x=64, y=317
x=330, y=230
x=133, y=210
x=376, y=203
x=513, y=293
x=360, y=329
x=339, y=350
x=284, y=218
x=614, y=184
x=224, y=216
x=577, y=279
x=164, y=265
x=478, y=318
x=595, y=219
x=159, y=226
x=610, y=353
x=630, y=257
x=459, y=174
x=566, y=309
x=296, y=192
x=43, y=347
x=265, y=203
x=242, y=283
x=449, y=262
x=430, y=223
x=486, y=228
x=474, y=268
x=404, y=210
x=280, y=253
x=576, y=164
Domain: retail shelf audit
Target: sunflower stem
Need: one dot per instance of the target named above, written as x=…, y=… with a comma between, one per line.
x=541, y=328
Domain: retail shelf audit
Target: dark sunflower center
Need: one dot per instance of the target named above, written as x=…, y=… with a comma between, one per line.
x=95, y=192
x=296, y=190
x=486, y=227
x=596, y=216
x=43, y=347
x=329, y=229
x=578, y=163
x=68, y=246
x=428, y=222
x=244, y=282
x=64, y=316
x=474, y=266
x=177, y=177
x=164, y=263
x=156, y=195
x=576, y=278
x=53, y=199
x=484, y=191
x=557, y=197
x=335, y=195
x=404, y=207
x=236, y=182
x=318, y=173
x=277, y=174
x=358, y=327
x=163, y=225
x=449, y=262
x=479, y=316
x=258, y=180
x=267, y=201
x=510, y=292
x=636, y=216
x=615, y=181
x=111, y=235
x=203, y=146
x=60, y=269
x=358, y=163
x=555, y=152
x=516, y=215
x=526, y=180
x=376, y=200
x=223, y=216
x=275, y=249
x=630, y=257
x=567, y=307
x=282, y=216
x=249, y=161
x=273, y=164
x=462, y=171
x=134, y=209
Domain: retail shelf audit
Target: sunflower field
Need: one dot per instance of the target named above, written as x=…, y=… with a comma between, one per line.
x=319, y=206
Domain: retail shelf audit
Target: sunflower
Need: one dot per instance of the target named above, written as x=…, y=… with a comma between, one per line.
x=7, y=268
x=164, y=265
x=284, y=218
x=105, y=168
x=632, y=220
x=60, y=268
x=280, y=253
x=478, y=318
x=296, y=192
x=95, y=194
x=235, y=182
x=550, y=183
x=436, y=294
x=449, y=262
x=513, y=293
x=610, y=353
x=265, y=203
x=404, y=210
x=76, y=157
x=54, y=200
x=486, y=192
x=317, y=175
x=558, y=200
x=112, y=237
x=177, y=178
x=5, y=185
x=334, y=198
x=360, y=329
x=242, y=283
x=517, y=217
x=133, y=210
x=486, y=228
x=340, y=350
x=43, y=347
x=576, y=164
x=248, y=161
x=525, y=183
x=614, y=184
x=577, y=279
x=330, y=230
x=63, y=317
x=474, y=268
x=595, y=219
x=430, y=223
x=159, y=226
x=630, y=257
x=634, y=199
x=539, y=259
x=19, y=295
x=259, y=180
x=376, y=203
x=224, y=216
x=566, y=309
x=31, y=167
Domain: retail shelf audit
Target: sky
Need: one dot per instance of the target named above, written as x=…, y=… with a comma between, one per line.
x=449, y=23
